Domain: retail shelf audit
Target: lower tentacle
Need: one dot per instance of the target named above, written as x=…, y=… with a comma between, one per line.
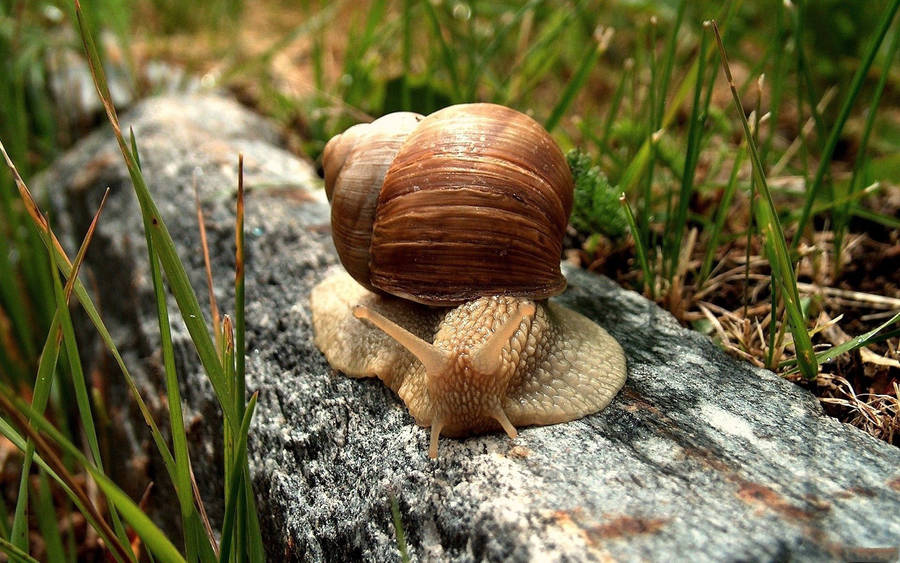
x=435, y=435
x=501, y=417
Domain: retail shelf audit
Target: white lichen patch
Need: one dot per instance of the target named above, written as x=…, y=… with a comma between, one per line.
x=660, y=450
x=725, y=422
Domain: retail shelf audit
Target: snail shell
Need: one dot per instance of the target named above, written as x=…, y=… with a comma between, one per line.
x=471, y=201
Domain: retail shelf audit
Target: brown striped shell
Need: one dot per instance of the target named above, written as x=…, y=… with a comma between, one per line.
x=471, y=201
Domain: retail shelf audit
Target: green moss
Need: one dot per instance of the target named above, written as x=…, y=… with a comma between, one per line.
x=596, y=208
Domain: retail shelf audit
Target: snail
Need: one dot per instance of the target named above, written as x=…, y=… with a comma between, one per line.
x=450, y=229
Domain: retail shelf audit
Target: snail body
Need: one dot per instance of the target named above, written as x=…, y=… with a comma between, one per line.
x=465, y=208
x=493, y=363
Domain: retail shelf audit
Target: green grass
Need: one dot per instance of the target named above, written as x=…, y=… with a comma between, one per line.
x=635, y=86
x=834, y=135
x=38, y=438
x=773, y=236
x=399, y=533
x=219, y=365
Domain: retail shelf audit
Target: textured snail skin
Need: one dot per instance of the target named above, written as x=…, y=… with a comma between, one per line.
x=491, y=363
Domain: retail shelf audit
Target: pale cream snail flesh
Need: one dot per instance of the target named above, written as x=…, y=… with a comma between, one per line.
x=466, y=208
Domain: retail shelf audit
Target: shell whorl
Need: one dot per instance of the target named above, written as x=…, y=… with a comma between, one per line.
x=473, y=200
x=355, y=163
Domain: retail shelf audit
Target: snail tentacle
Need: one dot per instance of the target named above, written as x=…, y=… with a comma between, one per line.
x=435, y=436
x=500, y=416
x=489, y=358
x=433, y=358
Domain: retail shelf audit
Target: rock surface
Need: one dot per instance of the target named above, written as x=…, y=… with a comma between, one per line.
x=700, y=456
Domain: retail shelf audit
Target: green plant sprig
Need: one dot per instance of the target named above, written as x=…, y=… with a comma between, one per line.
x=773, y=236
x=33, y=424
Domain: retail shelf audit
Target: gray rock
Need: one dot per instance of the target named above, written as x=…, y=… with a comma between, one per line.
x=700, y=456
x=70, y=83
x=72, y=87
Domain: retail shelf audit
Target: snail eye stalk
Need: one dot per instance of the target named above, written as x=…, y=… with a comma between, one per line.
x=433, y=358
x=488, y=358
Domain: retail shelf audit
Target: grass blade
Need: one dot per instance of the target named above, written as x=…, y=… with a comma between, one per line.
x=870, y=337
x=41, y=393
x=150, y=534
x=239, y=323
x=778, y=74
x=21, y=443
x=358, y=46
x=616, y=102
x=842, y=213
x=449, y=56
x=669, y=63
x=639, y=163
x=635, y=171
x=230, y=438
x=201, y=223
x=4, y=520
x=588, y=62
x=204, y=518
x=47, y=521
x=835, y=133
x=773, y=237
x=844, y=201
x=489, y=51
x=252, y=532
x=65, y=266
x=406, y=54
x=15, y=553
x=531, y=67
x=181, y=478
x=314, y=24
x=234, y=483
x=804, y=80
x=82, y=397
x=645, y=213
x=691, y=158
x=722, y=212
x=399, y=533
x=11, y=301
x=193, y=533
x=639, y=248
x=28, y=419
x=254, y=535
x=773, y=326
x=49, y=355
x=880, y=218
x=60, y=326
x=178, y=280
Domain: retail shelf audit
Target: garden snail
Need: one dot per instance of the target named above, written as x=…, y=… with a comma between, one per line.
x=466, y=207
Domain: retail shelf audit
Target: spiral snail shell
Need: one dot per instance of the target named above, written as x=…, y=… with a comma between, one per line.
x=465, y=207
x=472, y=200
